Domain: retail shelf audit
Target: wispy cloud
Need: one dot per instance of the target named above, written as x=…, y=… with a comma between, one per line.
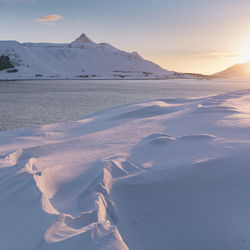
x=17, y=1
x=216, y=54
x=77, y=22
x=49, y=19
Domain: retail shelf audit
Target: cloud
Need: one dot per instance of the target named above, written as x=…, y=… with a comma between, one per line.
x=49, y=19
x=17, y=1
x=77, y=22
x=216, y=54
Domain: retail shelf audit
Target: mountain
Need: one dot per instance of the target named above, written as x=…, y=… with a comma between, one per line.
x=237, y=70
x=80, y=59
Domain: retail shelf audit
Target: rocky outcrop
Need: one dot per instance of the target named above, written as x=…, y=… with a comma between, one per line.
x=5, y=63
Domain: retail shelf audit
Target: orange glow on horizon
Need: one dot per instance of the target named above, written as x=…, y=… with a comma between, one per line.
x=244, y=55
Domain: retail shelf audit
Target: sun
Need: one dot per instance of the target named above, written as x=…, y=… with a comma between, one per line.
x=244, y=55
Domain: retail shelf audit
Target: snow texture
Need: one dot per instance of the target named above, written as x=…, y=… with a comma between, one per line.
x=165, y=174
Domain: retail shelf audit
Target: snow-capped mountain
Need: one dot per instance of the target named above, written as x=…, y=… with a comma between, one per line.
x=237, y=70
x=80, y=59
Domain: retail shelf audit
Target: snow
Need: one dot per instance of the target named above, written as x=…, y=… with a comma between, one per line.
x=164, y=174
x=82, y=41
x=238, y=71
x=80, y=59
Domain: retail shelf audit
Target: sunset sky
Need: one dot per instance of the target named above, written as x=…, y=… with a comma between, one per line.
x=183, y=35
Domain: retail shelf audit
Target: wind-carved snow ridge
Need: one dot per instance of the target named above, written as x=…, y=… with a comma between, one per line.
x=80, y=59
x=95, y=215
x=102, y=213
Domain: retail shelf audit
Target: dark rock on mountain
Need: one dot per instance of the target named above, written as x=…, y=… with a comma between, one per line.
x=5, y=63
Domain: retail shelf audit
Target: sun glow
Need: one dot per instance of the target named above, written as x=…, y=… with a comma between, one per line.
x=245, y=53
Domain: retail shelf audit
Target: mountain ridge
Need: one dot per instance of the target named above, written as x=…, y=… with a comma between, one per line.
x=80, y=59
x=236, y=70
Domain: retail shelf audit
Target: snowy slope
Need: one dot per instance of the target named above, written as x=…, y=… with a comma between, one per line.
x=78, y=60
x=237, y=70
x=166, y=174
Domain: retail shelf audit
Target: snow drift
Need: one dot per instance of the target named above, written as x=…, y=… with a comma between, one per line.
x=80, y=59
x=165, y=174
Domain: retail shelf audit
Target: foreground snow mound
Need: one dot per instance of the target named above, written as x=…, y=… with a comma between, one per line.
x=81, y=59
x=166, y=174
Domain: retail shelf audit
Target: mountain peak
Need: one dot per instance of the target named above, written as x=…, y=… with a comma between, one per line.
x=83, y=39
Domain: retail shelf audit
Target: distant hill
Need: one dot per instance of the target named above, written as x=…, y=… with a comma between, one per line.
x=81, y=59
x=237, y=70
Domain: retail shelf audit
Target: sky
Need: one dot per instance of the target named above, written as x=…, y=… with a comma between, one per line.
x=198, y=36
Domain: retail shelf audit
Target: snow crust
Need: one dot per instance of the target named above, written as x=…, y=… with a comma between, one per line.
x=80, y=59
x=164, y=174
